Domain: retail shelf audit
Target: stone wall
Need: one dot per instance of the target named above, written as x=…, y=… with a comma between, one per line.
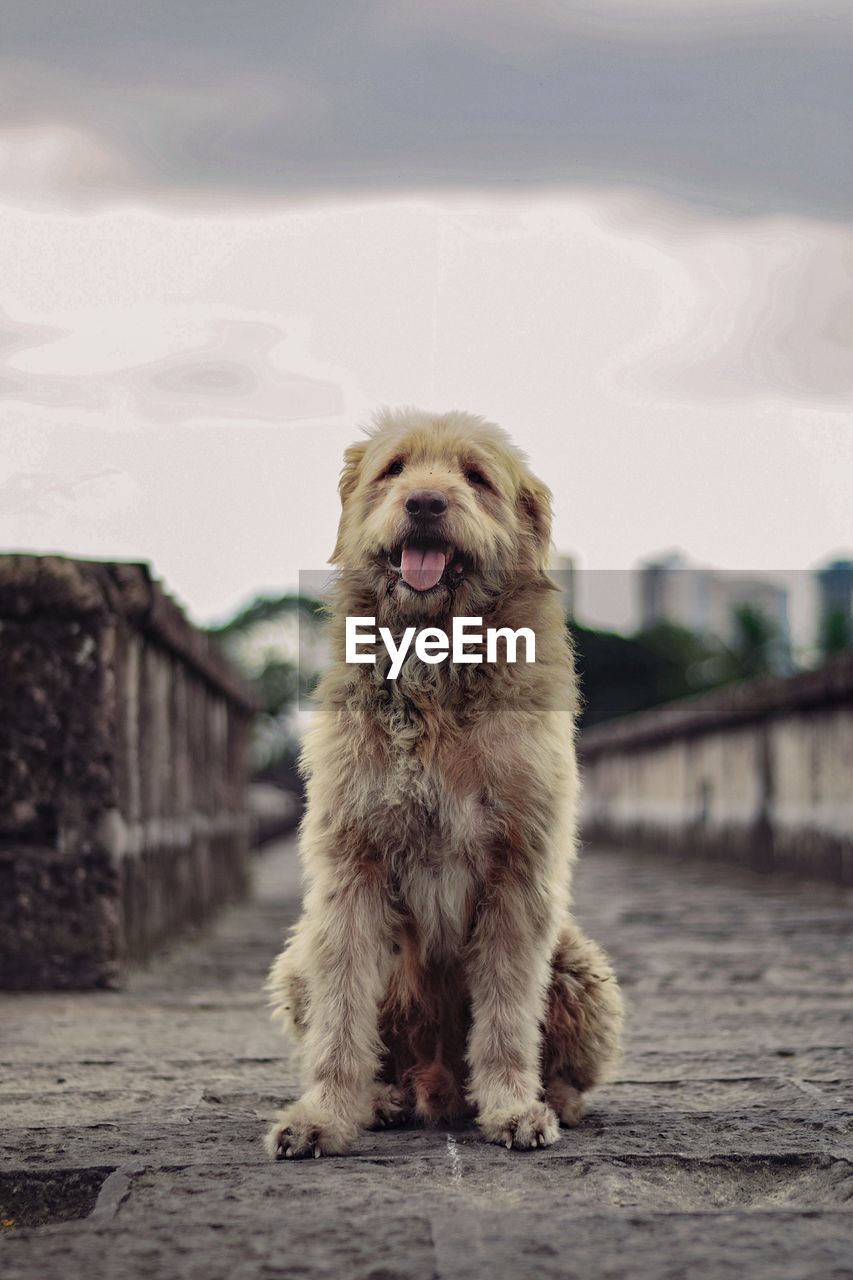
x=760, y=774
x=123, y=771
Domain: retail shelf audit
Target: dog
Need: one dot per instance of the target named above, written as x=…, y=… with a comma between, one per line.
x=436, y=973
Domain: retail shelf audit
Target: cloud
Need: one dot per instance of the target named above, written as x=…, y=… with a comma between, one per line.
x=763, y=308
x=169, y=363
x=237, y=374
x=19, y=340
x=530, y=29
x=49, y=494
x=40, y=162
x=735, y=107
x=310, y=319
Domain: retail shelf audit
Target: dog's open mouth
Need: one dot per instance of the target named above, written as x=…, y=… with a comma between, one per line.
x=423, y=564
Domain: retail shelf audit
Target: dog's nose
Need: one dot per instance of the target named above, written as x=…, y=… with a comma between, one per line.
x=426, y=502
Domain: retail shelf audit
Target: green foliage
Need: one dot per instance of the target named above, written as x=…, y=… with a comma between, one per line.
x=755, y=649
x=622, y=674
x=276, y=643
x=267, y=609
x=836, y=633
x=280, y=684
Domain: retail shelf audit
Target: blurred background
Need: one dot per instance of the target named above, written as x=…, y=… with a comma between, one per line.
x=227, y=235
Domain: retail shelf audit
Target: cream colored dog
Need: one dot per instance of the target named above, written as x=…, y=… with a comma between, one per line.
x=436, y=971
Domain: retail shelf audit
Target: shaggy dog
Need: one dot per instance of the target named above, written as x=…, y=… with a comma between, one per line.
x=436, y=972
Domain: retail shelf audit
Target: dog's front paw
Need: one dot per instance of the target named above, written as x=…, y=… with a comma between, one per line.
x=309, y=1129
x=523, y=1128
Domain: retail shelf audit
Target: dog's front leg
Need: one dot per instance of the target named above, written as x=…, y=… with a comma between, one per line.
x=509, y=965
x=347, y=967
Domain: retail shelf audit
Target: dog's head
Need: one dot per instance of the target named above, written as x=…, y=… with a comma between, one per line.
x=439, y=514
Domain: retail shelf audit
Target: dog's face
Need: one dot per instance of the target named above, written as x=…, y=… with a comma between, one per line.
x=439, y=514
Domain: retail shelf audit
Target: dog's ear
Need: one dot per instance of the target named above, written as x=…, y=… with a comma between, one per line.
x=350, y=472
x=353, y=458
x=534, y=501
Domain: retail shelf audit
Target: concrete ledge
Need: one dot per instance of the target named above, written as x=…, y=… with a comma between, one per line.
x=58, y=587
x=760, y=774
x=123, y=736
x=725, y=708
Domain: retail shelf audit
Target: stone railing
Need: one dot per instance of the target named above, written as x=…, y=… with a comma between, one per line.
x=123, y=771
x=760, y=774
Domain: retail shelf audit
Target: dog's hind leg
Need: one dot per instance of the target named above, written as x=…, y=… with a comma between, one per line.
x=391, y=1106
x=583, y=1023
x=287, y=989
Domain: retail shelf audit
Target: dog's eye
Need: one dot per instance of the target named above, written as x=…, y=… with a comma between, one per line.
x=475, y=477
x=394, y=469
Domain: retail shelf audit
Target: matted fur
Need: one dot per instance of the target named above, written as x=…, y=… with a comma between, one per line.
x=436, y=971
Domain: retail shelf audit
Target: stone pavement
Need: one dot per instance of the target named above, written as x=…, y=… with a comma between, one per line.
x=723, y=1150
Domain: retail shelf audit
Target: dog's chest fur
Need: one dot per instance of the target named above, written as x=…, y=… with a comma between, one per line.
x=439, y=844
x=429, y=818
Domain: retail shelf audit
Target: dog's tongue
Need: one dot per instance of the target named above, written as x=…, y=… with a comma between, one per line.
x=422, y=569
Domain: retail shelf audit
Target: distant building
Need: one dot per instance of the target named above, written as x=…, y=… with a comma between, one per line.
x=707, y=600
x=562, y=570
x=835, y=586
x=673, y=591
x=734, y=591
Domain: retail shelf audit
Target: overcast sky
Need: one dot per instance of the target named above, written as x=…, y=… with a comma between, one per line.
x=227, y=233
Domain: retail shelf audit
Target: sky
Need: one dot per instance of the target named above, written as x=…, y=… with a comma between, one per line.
x=229, y=233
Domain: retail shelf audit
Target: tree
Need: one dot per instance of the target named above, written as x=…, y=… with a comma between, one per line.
x=757, y=648
x=277, y=643
x=622, y=674
x=836, y=632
